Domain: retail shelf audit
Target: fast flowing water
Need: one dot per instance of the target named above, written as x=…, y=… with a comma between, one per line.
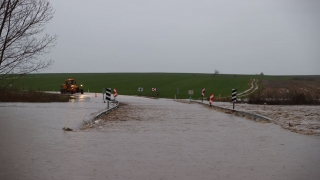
x=172, y=140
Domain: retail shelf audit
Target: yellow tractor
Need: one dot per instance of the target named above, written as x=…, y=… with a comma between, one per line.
x=70, y=86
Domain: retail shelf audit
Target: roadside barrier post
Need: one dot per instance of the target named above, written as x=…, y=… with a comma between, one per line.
x=115, y=93
x=177, y=93
x=211, y=100
x=154, y=91
x=108, y=95
x=202, y=93
x=190, y=93
x=140, y=89
x=234, y=96
x=103, y=91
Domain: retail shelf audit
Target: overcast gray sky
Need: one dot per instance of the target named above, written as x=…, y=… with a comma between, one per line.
x=276, y=37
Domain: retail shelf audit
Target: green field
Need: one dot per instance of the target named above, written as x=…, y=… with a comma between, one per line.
x=128, y=83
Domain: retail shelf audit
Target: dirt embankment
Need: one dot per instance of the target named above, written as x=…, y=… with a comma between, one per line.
x=112, y=120
x=300, y=119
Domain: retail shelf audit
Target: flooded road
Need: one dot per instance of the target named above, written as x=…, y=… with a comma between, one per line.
x=159, y=139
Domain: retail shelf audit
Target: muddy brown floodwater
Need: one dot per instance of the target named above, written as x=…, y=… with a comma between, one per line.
x=149, y=139
x=296, y=118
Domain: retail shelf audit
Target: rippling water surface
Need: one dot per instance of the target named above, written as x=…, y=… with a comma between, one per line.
x=172, y=140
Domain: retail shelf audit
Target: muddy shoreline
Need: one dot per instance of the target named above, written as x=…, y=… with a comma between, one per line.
x=300, y=119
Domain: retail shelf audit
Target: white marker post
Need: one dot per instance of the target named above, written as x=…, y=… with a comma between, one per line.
x=190, y=93
x=103, y=91
x=178, y=93
x=140, y=89
x=202, y=93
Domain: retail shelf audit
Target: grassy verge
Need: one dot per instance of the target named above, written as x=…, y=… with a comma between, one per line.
x=30, y=96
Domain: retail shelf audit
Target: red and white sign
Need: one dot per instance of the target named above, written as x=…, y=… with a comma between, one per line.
x=211, y=99
x=115, y=94
x=154, y=89
x=203, y=91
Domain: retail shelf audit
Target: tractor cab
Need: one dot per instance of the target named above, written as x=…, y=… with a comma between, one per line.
x=70, y=86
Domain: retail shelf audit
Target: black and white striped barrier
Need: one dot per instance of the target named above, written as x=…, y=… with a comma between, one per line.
x=234, y=96
x=108, y=94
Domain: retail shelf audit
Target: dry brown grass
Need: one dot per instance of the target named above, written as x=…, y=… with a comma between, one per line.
x=289, y=92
